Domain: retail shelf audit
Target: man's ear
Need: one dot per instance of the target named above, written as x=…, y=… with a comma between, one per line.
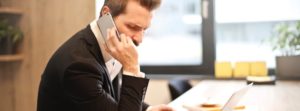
x=105, y=9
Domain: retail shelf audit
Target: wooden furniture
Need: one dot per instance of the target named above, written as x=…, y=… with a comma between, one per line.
x=8, y=10
x=284, y=96
x=46, y=25
x=10, y=58
x=13, y=15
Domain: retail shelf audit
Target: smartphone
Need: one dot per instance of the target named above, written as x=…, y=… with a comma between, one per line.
x=106, y=22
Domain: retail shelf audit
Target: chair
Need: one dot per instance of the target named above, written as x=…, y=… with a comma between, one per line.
x=178, y=86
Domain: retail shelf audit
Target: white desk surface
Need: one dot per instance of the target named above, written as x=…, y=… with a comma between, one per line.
x=284, y=96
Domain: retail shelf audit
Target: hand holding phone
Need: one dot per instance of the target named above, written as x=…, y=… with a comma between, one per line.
x=122, y=48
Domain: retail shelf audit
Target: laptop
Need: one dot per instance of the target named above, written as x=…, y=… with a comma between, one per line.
x=231, y=103
x=235, y=98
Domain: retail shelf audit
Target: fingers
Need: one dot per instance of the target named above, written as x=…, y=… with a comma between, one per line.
x=166, y=108
x=130, y=41
x=113, y=43
x=161, y=107
x=112, y=37
x=124, y=39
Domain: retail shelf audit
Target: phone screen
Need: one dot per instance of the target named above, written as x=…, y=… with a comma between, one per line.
x=106, y=22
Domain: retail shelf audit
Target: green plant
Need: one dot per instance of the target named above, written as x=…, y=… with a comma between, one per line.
x=286, y=39
x=9, y=31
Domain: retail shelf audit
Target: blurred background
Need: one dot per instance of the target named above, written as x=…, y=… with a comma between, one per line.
x=187, y=40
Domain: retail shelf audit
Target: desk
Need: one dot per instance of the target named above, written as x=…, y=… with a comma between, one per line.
x=284, y=96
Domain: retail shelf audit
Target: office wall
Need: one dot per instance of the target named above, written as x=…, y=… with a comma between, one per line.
x=46, y=25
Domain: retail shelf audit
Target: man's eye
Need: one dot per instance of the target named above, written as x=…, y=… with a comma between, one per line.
x=134, y=28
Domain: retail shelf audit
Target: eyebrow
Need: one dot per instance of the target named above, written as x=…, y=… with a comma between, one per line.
x=140, y=26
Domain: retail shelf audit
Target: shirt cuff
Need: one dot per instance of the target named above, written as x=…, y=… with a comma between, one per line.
x=140, y=74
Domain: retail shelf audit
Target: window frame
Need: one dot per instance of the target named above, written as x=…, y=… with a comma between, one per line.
x=208, y=45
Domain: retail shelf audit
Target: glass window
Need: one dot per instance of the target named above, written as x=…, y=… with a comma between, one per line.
x=174, y=37
x=243, y=26
x=99, y=4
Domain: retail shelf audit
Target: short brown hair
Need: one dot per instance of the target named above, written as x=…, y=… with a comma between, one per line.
x=118, y=6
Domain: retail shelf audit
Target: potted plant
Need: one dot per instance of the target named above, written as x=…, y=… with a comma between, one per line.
x=10, y=36
x=286, y=42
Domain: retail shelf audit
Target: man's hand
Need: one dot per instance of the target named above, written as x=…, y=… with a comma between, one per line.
x=161, y=107
x=124, y=51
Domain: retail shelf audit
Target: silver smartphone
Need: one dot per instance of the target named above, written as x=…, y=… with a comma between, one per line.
x=106, y=22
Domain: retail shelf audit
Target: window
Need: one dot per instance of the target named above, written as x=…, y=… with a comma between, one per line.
x=181, y=40
x=174, y=37
x=99, y=4
x=174, y=43
x=243, y=26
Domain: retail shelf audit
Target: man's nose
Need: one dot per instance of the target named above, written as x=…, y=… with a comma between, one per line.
x=138, y=37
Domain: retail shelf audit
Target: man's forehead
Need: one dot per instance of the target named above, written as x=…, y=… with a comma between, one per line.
x=136, y=14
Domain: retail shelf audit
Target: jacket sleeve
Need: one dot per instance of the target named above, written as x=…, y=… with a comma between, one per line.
x=84, y=85
x=145, y=106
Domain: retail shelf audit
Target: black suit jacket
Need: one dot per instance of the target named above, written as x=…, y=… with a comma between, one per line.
x=76, y=79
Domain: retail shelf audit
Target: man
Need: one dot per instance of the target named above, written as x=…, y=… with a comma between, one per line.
x=85, y=74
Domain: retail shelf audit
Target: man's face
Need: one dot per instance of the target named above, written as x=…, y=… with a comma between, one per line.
x=133, y=21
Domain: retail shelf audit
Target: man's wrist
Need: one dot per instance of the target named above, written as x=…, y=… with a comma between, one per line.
x=139, y=74
x=134, y=70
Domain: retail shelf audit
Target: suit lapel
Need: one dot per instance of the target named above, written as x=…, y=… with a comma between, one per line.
x=95, y=50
